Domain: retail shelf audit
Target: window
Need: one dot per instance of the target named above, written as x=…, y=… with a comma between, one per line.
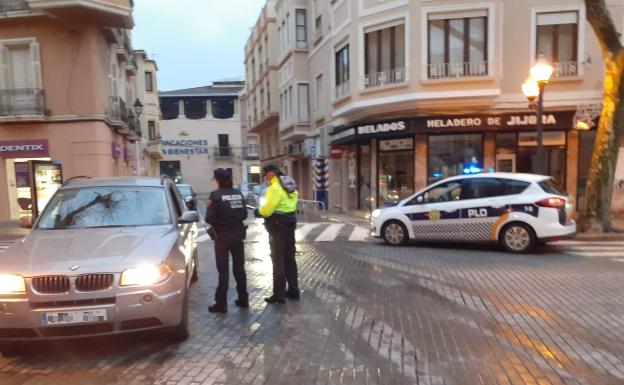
x=169, y=108
x=445, y=192
x=479, y=188
x=290, y=103
x=303, y=94
x=514, y=187
x=301, y=31
x=557, y=40
x=319, y=92
x=149, y=82
x=195, y=109
x=457, y=45
x=21, y=79
x=551, y=187
x=253, y=70
x=151, y=130
x=223, y=109
x=452, y=155
x=261, y=102
x=342, y=71
x=224, y=145
x=384, y=55
x=260, y=57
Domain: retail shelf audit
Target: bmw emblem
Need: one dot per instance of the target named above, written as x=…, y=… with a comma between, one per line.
x=74, y=268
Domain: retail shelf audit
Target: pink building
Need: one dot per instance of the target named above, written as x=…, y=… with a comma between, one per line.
x=67, y=89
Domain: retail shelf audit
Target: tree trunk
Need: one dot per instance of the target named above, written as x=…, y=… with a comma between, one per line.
x=599, y=190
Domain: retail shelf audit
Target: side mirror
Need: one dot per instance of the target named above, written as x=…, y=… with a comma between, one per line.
x=189, y=217
x=190, y=203
x=26, y=222
x=420, y=199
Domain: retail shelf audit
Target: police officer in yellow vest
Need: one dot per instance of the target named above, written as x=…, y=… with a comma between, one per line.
x=279, y=213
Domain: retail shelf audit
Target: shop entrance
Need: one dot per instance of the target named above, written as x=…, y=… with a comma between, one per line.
x=396, y=170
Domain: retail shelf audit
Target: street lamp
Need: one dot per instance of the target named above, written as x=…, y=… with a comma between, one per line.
x=138, y=108
x=533, y=88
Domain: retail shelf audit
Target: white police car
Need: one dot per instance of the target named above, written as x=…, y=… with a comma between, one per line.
x=517, y=210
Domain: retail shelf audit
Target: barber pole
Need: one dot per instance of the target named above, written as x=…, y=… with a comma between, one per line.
x=321, y=175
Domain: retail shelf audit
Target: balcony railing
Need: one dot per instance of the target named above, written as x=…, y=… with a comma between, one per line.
x=566, y=69
x=223, y=152
x=13, y=5
x=377, y=79
x=120, y=113
x=251, y=151
x=342, y=89
x=457, y=70
x=22, y=102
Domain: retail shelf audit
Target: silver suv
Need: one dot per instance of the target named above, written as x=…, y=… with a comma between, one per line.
x=106, y=256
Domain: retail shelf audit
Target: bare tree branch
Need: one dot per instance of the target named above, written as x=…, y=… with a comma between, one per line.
x=600, y=20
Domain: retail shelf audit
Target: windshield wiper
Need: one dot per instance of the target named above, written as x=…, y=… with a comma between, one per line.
x=109, y=226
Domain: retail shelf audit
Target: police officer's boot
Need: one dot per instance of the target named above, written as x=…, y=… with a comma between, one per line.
x=218, y=308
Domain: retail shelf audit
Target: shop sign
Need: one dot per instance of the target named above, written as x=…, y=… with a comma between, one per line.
x=24, y=149
x=519, y=120
x=185, y=147
x=381, y=128
x=336, y=152
x=396, y=144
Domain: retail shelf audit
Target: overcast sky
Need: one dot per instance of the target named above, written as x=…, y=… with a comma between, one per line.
x=194, y=41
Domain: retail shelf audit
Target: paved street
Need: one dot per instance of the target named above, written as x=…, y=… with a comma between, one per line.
x=372, y=314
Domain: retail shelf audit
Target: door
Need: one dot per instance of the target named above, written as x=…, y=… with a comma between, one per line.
x=484, y=204
x=46, y=178
x=435, y=214
x=21, y=79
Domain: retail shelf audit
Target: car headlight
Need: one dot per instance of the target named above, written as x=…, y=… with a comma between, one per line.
x=145, y=275
x=12, y=284
x=376, y=213
x=262, y=201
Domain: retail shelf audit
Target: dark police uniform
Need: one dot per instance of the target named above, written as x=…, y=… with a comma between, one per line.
x=226, y=212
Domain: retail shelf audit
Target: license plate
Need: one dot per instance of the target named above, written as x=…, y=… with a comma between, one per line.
x=73, y=317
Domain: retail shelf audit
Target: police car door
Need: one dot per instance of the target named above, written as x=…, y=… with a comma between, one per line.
x=483, y=206
x=435, y=213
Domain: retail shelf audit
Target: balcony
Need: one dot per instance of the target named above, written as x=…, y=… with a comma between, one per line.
x=22, y=102
x=384, y=78
x=223, y=152
x=154, y=150
x=342, y=89
x=251, y=151
x=122, y=117
x=13, y=6
x=565, y=69
x=106, y=13
x=457, y=70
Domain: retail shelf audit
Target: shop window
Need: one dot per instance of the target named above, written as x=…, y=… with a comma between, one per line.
x=364, y=178
x=396, y=171
x=223, y=109
x=195, y=109
x=384, y=56
x=457, y=45
x=452, y=155
x=169, y=108
x=557, y=40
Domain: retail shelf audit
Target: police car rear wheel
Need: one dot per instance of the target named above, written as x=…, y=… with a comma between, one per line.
x=518, y=238
x=395, y=233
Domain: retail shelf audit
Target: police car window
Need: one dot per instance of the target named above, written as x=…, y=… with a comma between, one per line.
x=445, y=192
x=551, y=187
x=513, y=187
x=479, y=188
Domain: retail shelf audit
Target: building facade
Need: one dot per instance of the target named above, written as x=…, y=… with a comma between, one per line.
x=66, y=97
x=261, y=90
x=403, y=93
x=201, y=131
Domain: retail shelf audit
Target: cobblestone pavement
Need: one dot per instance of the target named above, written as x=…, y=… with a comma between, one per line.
x=372, y=314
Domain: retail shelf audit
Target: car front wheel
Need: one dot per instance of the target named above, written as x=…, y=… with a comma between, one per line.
x=518, y=238
x=394, y=233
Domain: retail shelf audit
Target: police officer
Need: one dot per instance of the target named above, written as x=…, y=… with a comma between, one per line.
x=226, y=212
x=279, y=213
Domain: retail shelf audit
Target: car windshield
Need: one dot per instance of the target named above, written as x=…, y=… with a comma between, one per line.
x=101, y=207
x=185, y=191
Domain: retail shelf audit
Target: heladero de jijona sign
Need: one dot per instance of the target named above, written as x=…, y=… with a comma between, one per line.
x=556, y=120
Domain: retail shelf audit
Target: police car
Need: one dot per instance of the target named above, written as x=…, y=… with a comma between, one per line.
x=516, y=210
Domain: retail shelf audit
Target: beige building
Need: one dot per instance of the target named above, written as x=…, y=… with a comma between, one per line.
x=201, y=131
x=406, y=92
x=67, y=92
x=261, y=90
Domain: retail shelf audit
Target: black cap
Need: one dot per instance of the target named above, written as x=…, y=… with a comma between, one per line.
x=222, y=173
x=271, y=168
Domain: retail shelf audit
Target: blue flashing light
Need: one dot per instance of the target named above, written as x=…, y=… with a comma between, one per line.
x=491, y=170
x=437, y=175
x=472, y=169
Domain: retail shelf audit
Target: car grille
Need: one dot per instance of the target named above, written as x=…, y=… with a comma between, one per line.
x=51, y=284
x=74, y=303
x=94, y=282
